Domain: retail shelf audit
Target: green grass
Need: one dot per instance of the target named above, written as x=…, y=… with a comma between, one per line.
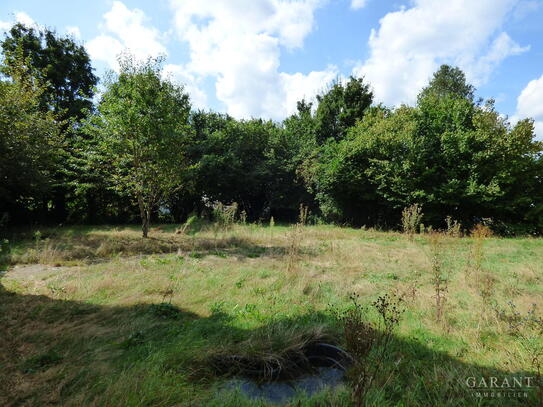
x=130, y=322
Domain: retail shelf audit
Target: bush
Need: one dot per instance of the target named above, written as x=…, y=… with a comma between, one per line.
x=411, y=219
x=225, y=215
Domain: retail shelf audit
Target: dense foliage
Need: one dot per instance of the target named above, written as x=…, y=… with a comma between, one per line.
x=139, y=150
x=30, y=145
x=454, y=156
x=63, y=68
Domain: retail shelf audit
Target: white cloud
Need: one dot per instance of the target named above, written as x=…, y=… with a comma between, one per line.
x=128, y=29
x=18, y=17
x=539, y=129
x=411, y=43
x=23, y=18
x=530, y=100
x=5, y=26
x=502, y=47
x=73, y=31
x=105, y=48
x=125, y=29
x=358, y=4
x=298, y=86
x=239, y=44
x=530, y=104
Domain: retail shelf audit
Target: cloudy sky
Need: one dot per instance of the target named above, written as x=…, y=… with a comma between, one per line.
x=258, y=57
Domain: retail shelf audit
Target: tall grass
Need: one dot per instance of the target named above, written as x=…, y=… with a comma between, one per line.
x=141, y=330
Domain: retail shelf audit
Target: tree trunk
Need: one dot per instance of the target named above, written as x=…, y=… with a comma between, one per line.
x=144, y=214
x=145, y=226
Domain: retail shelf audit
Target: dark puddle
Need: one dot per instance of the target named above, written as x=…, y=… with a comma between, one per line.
x=327, y=363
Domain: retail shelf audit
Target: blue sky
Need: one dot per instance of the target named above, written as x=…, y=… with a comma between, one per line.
x=258, y=57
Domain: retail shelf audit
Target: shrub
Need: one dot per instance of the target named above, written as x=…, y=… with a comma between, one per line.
x=224, y=215
x=411, y=219
x=454, y=228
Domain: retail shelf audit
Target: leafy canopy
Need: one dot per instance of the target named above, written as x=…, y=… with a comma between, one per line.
x=29, y=139
x=62, y=65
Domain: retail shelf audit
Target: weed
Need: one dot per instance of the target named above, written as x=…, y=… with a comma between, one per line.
x=528, y=328
x=243, y=217
x=192, y=225
x=56, y=290
x=272, y=225
x=240, y=283
x=484, y=279
x=217, y=307
x=302, y=216
x=224, y=215
x=440, y=279
x=336, y=260
x=454, y=228
x=258, y=291
x=412, y=288
x=512, y=317
x=295, y=239
x=411, y=219
x=368, y=342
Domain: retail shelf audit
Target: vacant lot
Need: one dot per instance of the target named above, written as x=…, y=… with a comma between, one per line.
x=100, y=316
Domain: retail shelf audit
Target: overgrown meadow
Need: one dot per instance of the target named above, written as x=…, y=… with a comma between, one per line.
x=100, y=316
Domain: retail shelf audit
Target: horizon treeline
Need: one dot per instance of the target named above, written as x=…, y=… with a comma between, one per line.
x=138, y=151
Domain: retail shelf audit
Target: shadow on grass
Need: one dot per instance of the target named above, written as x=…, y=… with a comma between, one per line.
x=59, y=352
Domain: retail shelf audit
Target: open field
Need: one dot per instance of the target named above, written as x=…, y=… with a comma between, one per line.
x=82, y=325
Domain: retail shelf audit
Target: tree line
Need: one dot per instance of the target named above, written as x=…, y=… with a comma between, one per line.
x=138, y=151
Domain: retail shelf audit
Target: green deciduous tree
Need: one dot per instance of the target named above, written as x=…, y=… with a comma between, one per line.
x=29, y=140
x=233, y=164
x=365, y=178
x=340, y=107
x=449, y=81
x=143, y=133
x=63, y=67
